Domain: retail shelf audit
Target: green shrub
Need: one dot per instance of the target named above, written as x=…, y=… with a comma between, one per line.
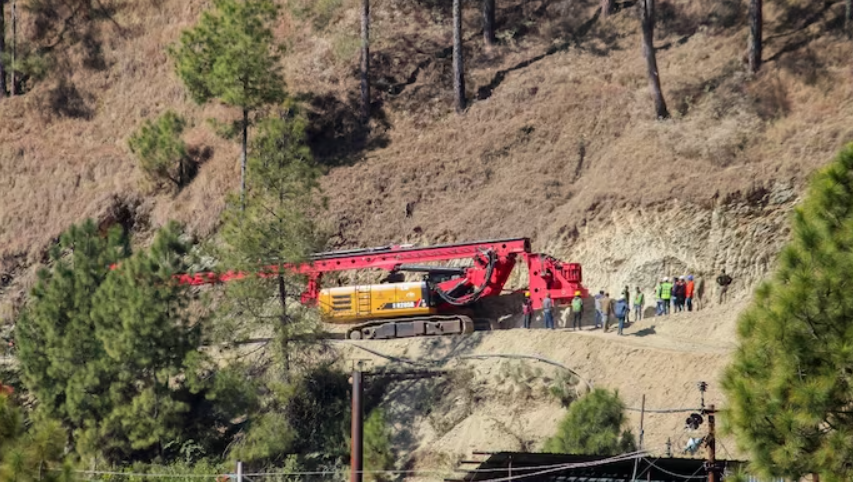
x=593, y=426
x=161, y=153
x=377, y=446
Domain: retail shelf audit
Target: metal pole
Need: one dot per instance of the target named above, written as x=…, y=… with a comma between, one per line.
x=642, y=417
x=239, y=471
x=712, y=445
x=356, y=457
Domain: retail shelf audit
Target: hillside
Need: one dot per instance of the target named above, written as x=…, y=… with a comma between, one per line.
x=493, y=403
x=559, y=144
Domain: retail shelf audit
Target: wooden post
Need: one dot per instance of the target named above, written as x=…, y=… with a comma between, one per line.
x=642, y=417
x=458, y=64
x=711, y=443
x=365, y=61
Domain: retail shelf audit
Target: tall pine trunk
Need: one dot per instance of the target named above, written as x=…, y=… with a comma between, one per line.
x=2, y=47
x=489, y=22
x=647, y=22
x=12, y=80
x=365, y=61
x=755, y=24
x=458, y=66
x=244, y=158
x=606, y=7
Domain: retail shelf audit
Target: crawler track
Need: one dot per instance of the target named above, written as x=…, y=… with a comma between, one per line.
x=432, y=325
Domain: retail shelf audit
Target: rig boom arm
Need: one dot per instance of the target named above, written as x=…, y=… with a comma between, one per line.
x=493, y=262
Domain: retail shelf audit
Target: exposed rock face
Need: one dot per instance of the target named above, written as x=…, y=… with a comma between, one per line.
x=638, y=247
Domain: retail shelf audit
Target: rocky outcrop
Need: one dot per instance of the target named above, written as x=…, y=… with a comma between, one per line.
x=637, y=247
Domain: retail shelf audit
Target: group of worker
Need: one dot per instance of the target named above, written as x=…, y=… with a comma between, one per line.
x=682, y=293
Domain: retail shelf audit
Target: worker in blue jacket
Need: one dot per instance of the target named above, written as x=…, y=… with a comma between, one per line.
x=620, y=309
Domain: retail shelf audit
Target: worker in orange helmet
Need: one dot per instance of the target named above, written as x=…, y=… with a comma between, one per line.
x=527, y=309
x=577, y=311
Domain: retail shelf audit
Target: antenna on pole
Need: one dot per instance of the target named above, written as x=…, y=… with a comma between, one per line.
x=703, y=387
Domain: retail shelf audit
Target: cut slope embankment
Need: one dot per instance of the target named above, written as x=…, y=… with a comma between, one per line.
x=501, y=405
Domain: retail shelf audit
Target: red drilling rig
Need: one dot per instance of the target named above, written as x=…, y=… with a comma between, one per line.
x=444, y=301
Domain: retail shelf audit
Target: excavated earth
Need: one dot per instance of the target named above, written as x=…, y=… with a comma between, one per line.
x=495, y=392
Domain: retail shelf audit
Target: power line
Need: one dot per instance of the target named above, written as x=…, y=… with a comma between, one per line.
x=694, y=476
x=544, y=468
x=663, y=410
x=567, y=466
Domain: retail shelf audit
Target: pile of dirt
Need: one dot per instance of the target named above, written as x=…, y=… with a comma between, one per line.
x=498, y=396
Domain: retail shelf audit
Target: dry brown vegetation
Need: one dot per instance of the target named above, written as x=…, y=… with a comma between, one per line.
x=560, y=131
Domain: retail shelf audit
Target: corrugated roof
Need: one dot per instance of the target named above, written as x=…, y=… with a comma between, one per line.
x=534, y=467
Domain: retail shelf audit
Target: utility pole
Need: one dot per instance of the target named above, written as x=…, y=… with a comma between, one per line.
x=357, y=455
x=711, y=443
x=642, y=417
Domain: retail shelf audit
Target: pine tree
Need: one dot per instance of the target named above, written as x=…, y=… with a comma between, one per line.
x=114, y=355
x=275, y=227
x=55, y=333
x=790, y=385
x=647, y=25
x=149, y=339
x=594, y=425
x=365, y=62
x=378, y=455
x=161, y=152
x=29, y=451
x=458, y=61
x=305, y=406
x=2, y=48
x=756, y=23
x=489, y=22
x=230, y=55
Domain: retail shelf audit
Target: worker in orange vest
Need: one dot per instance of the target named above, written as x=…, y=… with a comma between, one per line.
x=691, y=289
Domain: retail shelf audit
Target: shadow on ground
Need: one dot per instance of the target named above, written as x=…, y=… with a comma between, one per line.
x=336, y=135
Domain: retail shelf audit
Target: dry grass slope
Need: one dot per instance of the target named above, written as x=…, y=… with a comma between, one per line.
x=559, y=136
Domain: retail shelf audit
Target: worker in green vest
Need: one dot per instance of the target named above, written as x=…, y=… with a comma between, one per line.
x=666, y=294
x=577, y=311
x=639, y=301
